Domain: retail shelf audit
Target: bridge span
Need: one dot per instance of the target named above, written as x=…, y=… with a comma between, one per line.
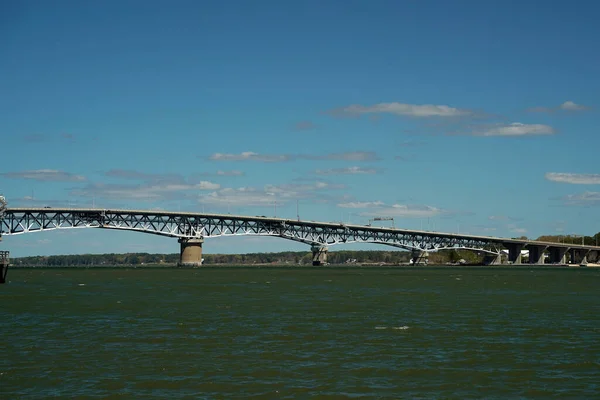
x=191, y=229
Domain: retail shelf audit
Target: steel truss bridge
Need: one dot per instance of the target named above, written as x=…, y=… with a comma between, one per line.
x=16, y=221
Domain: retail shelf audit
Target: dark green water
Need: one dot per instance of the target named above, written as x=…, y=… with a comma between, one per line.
x=300, y=333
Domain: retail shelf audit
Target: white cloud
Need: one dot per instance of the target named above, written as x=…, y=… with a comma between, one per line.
x=571, y=106
x=203, y=185
x=578, y=179
x=147, y=192
x=347, y=156
x=517, y=129
x=566, y=106
x=503, y=218
x=239, y=197
x=266, y=196
x=294, y=191
x=582, y=199
x=45, y=175
x=403, y=211
x=347, y=171
x=361, y=204
x=516, y=229
x=248, y=156
x=402, y=109
x=380, y=209
x=251, y=156
x=163, y=178
x=230, y=173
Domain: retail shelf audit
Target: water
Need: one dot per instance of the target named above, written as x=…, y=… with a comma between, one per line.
x=300, y=333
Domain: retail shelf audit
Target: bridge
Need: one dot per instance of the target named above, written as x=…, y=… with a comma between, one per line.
x=191, y=229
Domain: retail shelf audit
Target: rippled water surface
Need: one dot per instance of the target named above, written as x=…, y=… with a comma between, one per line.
x=300, y=333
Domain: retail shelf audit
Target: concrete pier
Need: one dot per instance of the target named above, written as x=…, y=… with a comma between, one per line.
x=584, y=257
x=492, y=259
x=578, y=256
x=319, y=255
x=514, y=252
x=419, y=257
x=191, y=252
x=4, y=263
x=558, y=255
x=536, y=254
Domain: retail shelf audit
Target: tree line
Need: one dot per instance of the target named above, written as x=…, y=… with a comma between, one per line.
x=390, y=257
x=280, y=258
x=572, y=239
x=284, y=257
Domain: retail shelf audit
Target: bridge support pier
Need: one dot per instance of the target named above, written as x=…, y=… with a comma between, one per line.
x=578, y=256
x=191, y=252
x=593, y=256
x=4, y=263
x=571, y=258
x=492, y=259
x=536, y=254
x=514, y=252
x=584, y=257
x=319, y=254
x=419, y=257
x=558, y=255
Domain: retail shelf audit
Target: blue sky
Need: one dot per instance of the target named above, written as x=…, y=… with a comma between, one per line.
x=470, y=116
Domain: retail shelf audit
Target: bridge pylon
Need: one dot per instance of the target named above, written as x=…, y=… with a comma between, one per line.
x=190, y=254
x=319, y=254
x=492, y=259
x=4, y=263
x=514, y=252
x=579, y=256
x=536, y=254
x=419, y=257
x=558, y=255
x=4, y=255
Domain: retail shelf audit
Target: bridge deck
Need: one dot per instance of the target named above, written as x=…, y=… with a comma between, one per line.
x=140, y=220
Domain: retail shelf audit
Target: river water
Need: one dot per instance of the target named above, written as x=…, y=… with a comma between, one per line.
x=288, y=333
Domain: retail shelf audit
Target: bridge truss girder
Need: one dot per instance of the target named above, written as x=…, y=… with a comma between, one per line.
x=187, y=225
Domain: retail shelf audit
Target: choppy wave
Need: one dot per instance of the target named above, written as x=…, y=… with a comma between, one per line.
x=293, y=334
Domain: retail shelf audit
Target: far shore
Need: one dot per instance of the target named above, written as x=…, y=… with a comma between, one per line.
x=283, y=265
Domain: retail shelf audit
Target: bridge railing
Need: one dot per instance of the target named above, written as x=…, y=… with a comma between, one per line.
x=192, y=225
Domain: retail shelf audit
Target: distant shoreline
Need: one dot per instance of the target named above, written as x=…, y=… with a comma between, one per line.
x=308, y=266
x=289, y=259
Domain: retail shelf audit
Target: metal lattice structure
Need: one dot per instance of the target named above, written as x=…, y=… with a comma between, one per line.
x=18, y=221
x=194, y=225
